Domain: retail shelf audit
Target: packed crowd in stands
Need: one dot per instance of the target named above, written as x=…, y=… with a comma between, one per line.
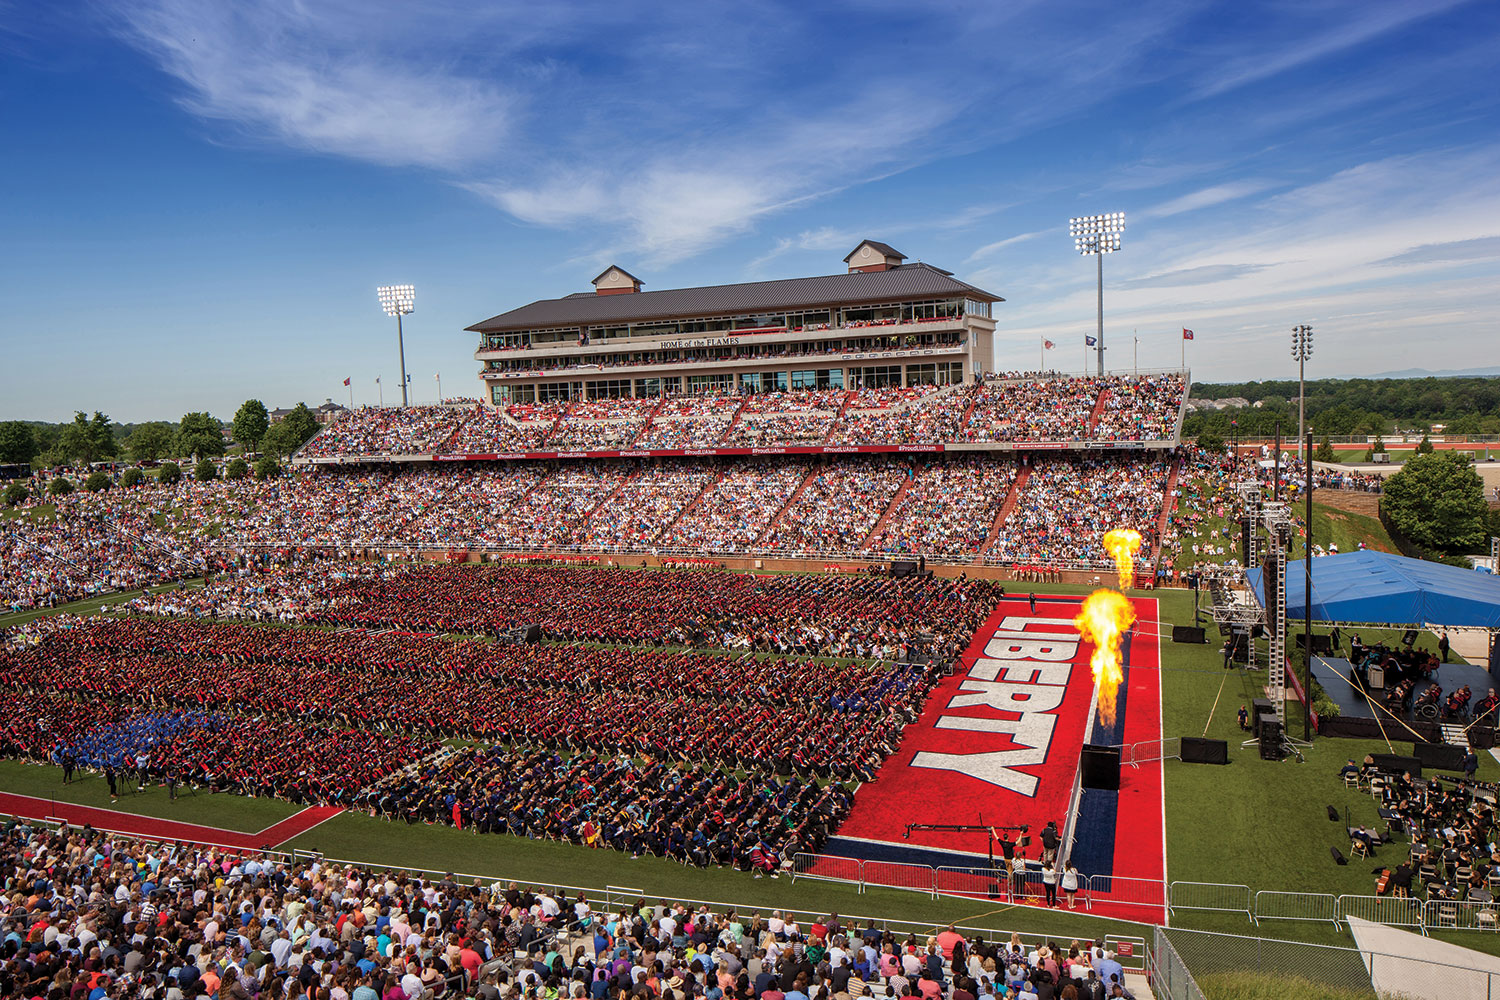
x=948, y=508
x=102, y=916
x=838, y=508
x=1130, y=408
x=47, y=560
x=851, y=506
x=1066, y=506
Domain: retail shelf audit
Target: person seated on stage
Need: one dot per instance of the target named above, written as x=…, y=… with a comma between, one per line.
x=1458, y=703
x=1484, y=711
x=1430, y=696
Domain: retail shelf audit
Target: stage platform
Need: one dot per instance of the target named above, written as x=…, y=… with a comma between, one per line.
x=1333, y=674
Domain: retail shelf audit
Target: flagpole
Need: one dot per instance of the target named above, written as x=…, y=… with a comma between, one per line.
x=1042, y=355
x=1184, y=351
x=1135, y=356
x=439, y=377
x=351, y=394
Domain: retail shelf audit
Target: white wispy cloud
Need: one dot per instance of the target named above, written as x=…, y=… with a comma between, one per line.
x=1204, y=198
x=282, y=70
x=1009, y=241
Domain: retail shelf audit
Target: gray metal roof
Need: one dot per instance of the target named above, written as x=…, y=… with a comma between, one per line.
x=883, y=248
x=896, y=284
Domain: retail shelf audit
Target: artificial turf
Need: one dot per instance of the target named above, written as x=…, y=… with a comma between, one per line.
x=1258, y=823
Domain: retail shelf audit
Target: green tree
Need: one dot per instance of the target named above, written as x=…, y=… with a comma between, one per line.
x=303, y=424
x=14, y=493
x=60, y=486
x=1437, y=500
x=86, y=441
x=1424, y=446
x=170, y=474
x=281, y=439
x=98, y=482
x=267, y=468
x=1211, y=442
x=206, y=471
x=18, y=442
x=1324, y=451
x=250, y=424
x=131, y=477
x=236, y=469
x=199, y=436
x=151, y=441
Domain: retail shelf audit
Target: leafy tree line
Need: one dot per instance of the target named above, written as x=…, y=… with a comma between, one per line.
x=197, y=436
x=1437, y=501
x=1353, y=406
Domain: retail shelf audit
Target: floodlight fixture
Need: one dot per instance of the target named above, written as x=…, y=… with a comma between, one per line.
x=1302, y=348
x=1095, y=236
x=398, y=301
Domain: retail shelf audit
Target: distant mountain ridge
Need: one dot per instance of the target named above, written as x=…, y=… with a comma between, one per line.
x=1424, y=373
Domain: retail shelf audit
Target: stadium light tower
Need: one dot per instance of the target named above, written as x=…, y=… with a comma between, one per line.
x=1302, y=343
x=1095, y=236
x=397, y=301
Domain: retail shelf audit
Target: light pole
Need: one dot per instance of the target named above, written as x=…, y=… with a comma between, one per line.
x=397, y=301
x=1095, y=236
x=1302, y=347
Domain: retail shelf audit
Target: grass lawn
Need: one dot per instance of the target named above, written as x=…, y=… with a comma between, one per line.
x=1257, y=823
x=230, y=812
x=87, y=606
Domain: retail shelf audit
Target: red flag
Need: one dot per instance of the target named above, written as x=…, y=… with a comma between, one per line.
x=1187, y=334
x=1048, y=344
x=346, y=381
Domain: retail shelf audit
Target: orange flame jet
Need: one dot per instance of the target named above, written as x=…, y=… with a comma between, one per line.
x=1122, y=544
x=1105, y=617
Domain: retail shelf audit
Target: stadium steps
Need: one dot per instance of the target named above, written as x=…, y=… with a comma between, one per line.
x=1003, y=514
x=771, y=524
x=650, y=419
x=619, y=488
x=1098, y=410
x=1168, y=504
x=889, y=510
x=963, y=421
x=729, y=428
x=708, y=487
x=1455, y=735
x=838, y=418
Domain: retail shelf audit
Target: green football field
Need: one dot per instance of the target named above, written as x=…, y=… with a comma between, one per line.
x=1258, y=823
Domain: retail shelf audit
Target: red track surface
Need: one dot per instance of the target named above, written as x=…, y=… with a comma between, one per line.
x=165, y=829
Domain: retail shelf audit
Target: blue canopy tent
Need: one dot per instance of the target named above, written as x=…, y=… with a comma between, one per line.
x=1380, y=588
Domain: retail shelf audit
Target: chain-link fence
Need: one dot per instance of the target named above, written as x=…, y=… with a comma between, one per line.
x=1201, y=965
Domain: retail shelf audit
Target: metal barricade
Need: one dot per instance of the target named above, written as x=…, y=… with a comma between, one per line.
x=1150, y=751
x=1271, y=904
x=1123, y=891
x=1389, y=910
x=895, y=875
x=617, y=897
x=828, y=867
x=976, y=883
x=1453, y=915
x=1216, y=897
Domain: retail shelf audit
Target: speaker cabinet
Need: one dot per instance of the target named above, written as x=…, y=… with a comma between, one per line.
x=533, y=634
x=1197, y=750
x=1187, y=633
x=1440, y=756
x=1101, y=767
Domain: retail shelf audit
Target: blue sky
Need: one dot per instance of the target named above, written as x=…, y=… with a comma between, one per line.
x=200, y=198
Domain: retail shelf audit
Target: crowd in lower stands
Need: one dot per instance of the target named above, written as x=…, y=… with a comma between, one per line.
x=102, y=916
x=850, y=506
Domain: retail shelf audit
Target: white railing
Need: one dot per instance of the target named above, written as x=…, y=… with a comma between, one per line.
x=1216, y=897
x=1392, y=911
x=1271, y=904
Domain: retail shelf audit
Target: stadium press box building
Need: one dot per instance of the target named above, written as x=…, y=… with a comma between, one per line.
x=885, y=322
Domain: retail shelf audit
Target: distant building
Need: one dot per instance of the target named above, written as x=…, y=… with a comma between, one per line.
x=884, y=322
x=324, y=414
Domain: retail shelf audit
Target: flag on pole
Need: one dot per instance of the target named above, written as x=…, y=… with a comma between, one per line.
x=1187, y=334
x=346, y=382
x=1090, y=341
x=1048, y=344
